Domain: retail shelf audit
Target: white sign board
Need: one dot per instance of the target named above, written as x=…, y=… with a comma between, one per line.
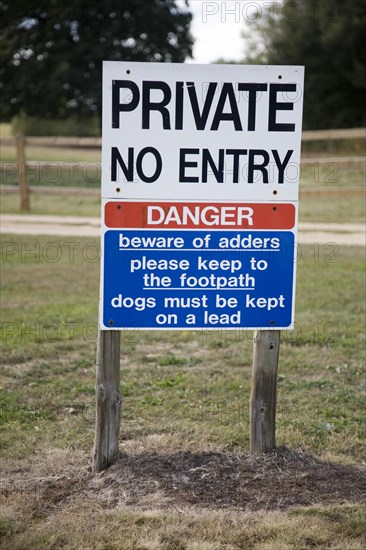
x=200, y=173
x=173, y=131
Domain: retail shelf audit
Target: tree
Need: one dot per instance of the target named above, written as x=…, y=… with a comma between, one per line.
x=327, y=37
x=51, y=51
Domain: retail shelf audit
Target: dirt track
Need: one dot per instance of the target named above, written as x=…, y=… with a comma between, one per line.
x=71, y=226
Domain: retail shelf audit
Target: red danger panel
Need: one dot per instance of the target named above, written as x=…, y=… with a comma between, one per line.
x=193, y=215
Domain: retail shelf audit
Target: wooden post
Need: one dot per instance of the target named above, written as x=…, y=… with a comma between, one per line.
x=23, y=182
x=266, y=347
x=108, y=400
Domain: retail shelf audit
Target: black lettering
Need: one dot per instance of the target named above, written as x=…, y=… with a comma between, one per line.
x=183, y=164
x=258, y=167
x=148, y=105
x=159, y=164
x=117, y=106
x=281, y=165
x=179, y=106
x=117, y=158
x=208, y=160
x=227, y=92
x=236, y=154
x=201, y=119
x=252, y=88
x=275, y=106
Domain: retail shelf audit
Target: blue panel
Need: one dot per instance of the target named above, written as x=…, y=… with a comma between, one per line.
x=237, y=279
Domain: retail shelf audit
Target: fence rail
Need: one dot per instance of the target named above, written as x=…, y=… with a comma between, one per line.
x=95, y=143
x=330, y=135
x=55, y=141
x=21, y=164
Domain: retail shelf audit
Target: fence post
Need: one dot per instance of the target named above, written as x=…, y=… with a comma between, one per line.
x=23, y=182
x=266, y=347
x=108, y=400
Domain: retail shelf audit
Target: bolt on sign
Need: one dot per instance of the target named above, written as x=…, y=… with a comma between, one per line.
x=200, y=185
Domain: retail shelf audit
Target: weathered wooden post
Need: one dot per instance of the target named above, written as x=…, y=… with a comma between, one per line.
x=23, y=182
x=108, y=399
x=266, y=347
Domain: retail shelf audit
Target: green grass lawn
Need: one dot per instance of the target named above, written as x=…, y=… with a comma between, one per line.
x=186, y=391
x=52, y=204
x=332, y=208
x=49, y=314
x=182, y=391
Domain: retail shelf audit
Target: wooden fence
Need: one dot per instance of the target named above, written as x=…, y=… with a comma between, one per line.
x=21, y=142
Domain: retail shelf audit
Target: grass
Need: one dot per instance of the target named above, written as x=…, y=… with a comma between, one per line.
x=320, y=175
x=58, y=173
x=342, y=207
x=316, y=177
x=327, y=209
x=332, y=209
x=128, y=529
x=56, y=204
x=5, y=129
x=52, y=154
x=197, y=383
x=187, y=392
x=182, y=391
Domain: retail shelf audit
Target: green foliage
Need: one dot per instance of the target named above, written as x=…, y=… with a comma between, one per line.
x=51, y=53
x=327, y=37
x=7, y=527
x=171, y=359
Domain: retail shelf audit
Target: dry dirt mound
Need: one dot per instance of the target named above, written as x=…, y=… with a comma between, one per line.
x=275, y=481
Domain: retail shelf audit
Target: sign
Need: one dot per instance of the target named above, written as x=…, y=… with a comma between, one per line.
x=200, y=170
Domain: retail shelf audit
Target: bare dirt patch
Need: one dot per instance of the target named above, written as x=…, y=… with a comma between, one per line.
x=276, y=481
